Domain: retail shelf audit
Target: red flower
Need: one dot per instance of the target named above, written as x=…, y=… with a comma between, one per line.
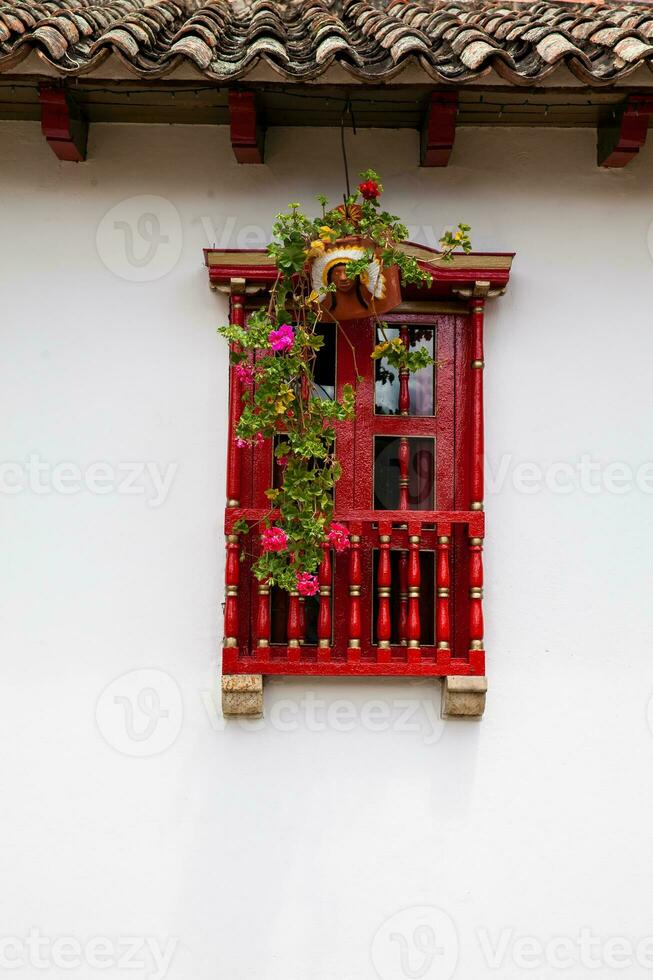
x=307, y=584
x=274, y=539
x=370, y=190
x=338, y=536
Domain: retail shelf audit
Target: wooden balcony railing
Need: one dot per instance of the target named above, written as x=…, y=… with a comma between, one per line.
x=405, y=598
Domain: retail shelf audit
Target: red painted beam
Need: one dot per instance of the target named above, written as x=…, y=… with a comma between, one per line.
x=247, y=133
x=439, y=129
x=622, y=131
x=62, y=123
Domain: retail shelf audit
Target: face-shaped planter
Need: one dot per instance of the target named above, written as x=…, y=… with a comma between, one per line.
x=376, y=291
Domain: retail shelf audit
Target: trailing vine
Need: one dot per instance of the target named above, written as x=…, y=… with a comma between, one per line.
x=277, y=351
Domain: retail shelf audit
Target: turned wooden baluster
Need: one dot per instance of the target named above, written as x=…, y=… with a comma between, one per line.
x=403, y=556
x=355, y=581
x=384, y=582
x=443, y=582
x=403, y=598
x=232, y=578
x=414, y=580
x=302, y=620
x=237, y=316
x=404, y=376
x=476, y=602
x=294, y=627
x=263, y=615
x=324, y=614
x=404, y=461
x=477, y=365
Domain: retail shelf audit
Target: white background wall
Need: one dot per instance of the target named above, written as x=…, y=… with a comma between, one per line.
x=277, y=850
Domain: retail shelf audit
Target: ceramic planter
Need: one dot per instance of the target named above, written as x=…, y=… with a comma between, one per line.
x=375, y=292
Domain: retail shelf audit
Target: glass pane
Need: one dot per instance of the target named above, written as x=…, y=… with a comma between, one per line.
x=421, y=384
x=325, y=363
x=421, y=473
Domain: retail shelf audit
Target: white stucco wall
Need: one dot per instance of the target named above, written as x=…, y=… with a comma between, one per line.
x=287, y=849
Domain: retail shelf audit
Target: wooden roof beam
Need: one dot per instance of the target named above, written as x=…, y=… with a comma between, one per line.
x=622, y=131
x=439, y=129
x=247, y=131
x=63, y=123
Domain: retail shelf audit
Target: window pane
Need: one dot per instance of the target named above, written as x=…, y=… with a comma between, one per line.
x=421, y=384
x=421, y=473
x=325, y=363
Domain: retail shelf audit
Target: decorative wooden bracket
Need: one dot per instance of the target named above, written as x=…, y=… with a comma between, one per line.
x=247, y=132
x=623, y=130
x=63, y=123
x=439, y=129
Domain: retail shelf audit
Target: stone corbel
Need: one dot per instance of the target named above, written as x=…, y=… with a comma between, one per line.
x=463, y=696
x=242, y=695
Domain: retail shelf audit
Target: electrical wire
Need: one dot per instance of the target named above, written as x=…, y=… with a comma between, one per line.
x=334, y=104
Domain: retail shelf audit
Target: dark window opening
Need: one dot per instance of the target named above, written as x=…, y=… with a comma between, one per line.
x=387, y=476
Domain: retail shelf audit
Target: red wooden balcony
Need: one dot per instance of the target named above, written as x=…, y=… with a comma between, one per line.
x=404, y=599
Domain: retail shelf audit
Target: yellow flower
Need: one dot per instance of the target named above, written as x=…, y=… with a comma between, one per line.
x=326, y=233
x=313, y=297
x=283, y=400
x=316, y=249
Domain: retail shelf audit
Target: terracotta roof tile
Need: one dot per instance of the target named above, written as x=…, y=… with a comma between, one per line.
x=451, y=40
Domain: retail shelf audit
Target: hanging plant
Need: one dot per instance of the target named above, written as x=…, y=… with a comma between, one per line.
x=348, y=259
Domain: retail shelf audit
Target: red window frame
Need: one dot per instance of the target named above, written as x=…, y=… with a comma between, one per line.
x=362, y=591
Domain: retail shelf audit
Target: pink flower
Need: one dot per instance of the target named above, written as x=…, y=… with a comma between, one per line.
x=307, y=584
x=274, y=539
x=283, y=338
x=282, y=460
x=338, y=536
x=257, y=440
x=245, y=373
